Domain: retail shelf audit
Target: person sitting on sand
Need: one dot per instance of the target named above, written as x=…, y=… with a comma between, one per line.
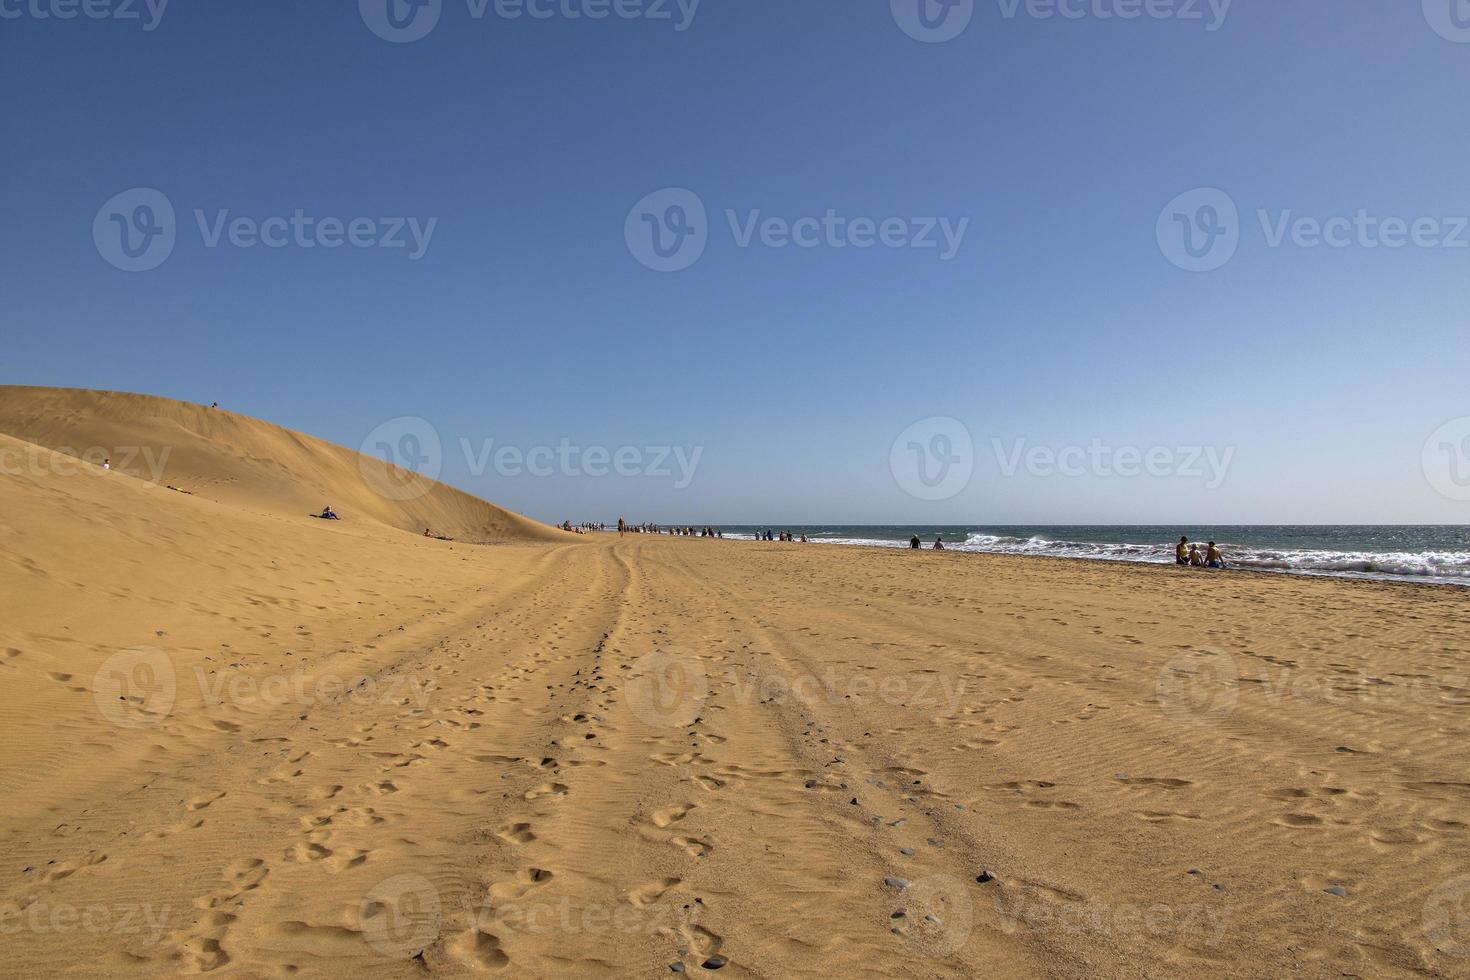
x=1196, y=560
x=915, y=543
x=1181, y=553
x=1213, y=558
x=938, y=544
x=328, y=514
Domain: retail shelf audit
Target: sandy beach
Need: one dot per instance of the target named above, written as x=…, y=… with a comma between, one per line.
x=240, y=741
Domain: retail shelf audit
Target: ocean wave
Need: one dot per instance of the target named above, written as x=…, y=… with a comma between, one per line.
x=1451, y=566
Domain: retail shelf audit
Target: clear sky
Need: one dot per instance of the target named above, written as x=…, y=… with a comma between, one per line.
x=1058, y=313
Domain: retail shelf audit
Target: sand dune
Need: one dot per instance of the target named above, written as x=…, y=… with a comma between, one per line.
x=252, y=464
x=244, y=743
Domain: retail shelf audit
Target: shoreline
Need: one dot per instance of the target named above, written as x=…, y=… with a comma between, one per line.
x=1411, y=579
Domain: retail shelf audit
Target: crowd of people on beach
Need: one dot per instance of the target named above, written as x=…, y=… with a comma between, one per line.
x=625, y=527
x=1189, y=553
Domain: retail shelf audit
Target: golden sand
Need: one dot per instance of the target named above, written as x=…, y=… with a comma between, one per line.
x=239, y=741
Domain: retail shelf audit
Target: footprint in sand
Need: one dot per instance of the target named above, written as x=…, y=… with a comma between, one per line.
x=645, y=895
x=68, y=868
x=308, y=851
x=547, y=789
x=694, y=847
x=1299, y=820
x=516, y=833
x=671, y=814
x=525, y=880
x=479, y=950
x=203, y=802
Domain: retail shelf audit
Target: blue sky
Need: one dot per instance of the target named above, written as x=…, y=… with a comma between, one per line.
x=1061, y=321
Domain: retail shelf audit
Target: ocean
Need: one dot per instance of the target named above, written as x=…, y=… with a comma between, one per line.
x=1393, y=552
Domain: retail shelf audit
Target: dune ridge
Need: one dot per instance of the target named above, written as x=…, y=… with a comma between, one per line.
x=250, y=463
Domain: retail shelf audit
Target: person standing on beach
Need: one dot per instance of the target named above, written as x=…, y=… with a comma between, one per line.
x=622, y=527
x=915, y=543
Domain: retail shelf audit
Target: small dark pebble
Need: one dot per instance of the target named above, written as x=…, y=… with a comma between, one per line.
x=1337, y=890
x=935, y=842
x=1194, y=871
x=907, y=850
x=1219, y=888
x=713, y=963
x=898, y=883
x=677, y=967
x=853, y=801
x=985, y=877
x=898, y=915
